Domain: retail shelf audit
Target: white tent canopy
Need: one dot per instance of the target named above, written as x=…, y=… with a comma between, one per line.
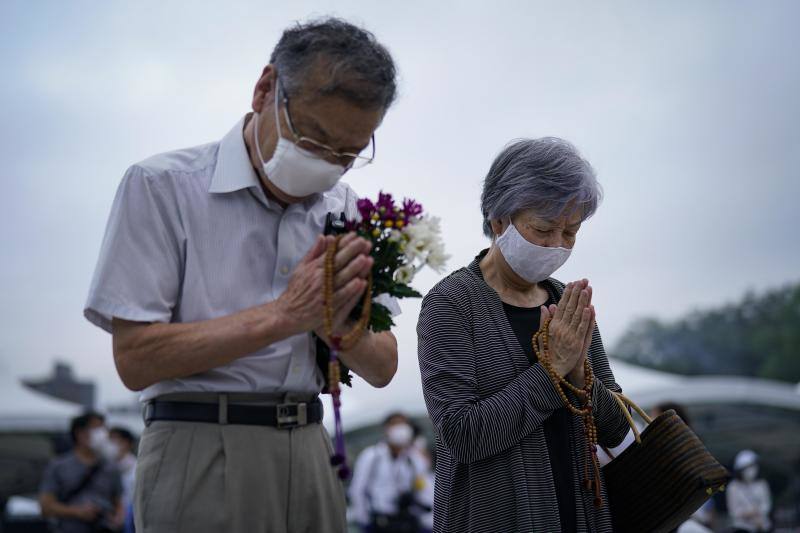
x=364, y=405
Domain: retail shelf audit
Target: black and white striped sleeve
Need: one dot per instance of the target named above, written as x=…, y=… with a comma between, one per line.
x=474, y=428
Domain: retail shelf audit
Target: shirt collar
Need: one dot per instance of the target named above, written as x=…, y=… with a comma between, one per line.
x=233, y=171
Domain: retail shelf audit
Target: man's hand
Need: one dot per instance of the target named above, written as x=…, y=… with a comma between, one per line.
x=85, y=512
x=302, y=302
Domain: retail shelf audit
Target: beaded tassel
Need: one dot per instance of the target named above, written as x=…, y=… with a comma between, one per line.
x=338, y=343
x=591, y=470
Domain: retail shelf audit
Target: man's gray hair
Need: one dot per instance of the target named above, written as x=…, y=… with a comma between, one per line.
x=355, y=65
x=547, y=175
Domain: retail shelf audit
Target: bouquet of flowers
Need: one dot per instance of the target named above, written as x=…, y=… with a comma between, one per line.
x=404, y=240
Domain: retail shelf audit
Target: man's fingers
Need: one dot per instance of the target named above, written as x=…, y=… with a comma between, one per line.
x=316, y=251
x=353, y=290
x=353, y=269
x=347, y=251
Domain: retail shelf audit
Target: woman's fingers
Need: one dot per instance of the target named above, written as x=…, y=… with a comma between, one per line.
x=562, y=303
x=587, y=340
x=572, y=302
x=583, y=305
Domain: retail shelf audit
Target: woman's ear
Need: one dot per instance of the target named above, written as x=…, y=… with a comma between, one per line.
x=498, y=227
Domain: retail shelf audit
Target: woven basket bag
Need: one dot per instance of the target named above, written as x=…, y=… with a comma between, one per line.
x=663, y=477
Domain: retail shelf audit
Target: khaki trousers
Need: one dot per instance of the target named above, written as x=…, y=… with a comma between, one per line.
x=197, y=477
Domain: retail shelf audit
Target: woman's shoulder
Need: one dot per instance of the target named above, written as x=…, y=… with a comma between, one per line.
x=455, y=284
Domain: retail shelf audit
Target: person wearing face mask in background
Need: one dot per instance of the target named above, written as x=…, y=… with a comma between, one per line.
x=210, y=279
x=123, y=441
x=509, y=455
x=387, y=494
x=81, y=490
x=748, y=497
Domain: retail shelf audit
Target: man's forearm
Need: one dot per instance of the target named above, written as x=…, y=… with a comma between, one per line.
x=374, y=358
x=148, y=353
x=51, y=507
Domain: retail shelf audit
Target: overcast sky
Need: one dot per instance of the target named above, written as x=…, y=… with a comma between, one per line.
x=689, y=112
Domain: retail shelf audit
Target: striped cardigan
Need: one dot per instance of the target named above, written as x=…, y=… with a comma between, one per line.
x=488, y=404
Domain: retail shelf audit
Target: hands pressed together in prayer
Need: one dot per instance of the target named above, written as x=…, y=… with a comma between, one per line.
x=302, y=302
x=571, y=328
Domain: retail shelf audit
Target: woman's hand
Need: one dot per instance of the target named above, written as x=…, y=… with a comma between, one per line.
x=570, y=332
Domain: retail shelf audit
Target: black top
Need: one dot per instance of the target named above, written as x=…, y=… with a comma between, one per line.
x=525, y=322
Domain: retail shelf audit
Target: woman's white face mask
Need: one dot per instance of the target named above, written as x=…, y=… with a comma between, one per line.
x=295, y=171
x=531, y=262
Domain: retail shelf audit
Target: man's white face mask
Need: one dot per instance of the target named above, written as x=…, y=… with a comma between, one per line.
x=295, y=171
x=531, y=262
x=101, y=443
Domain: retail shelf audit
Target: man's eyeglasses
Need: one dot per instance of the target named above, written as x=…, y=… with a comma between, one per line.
x=321, y=150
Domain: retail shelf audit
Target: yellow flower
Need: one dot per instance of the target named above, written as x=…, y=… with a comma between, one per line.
x=389, y=223
x=400, y=223
x=376, y=216
x=376, y=232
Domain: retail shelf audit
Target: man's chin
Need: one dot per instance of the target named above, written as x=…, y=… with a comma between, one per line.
x=283, y=197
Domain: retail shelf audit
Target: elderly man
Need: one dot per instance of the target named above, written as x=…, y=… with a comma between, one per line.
x=210, y=280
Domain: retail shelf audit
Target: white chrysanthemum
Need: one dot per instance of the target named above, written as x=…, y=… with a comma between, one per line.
x=437, y=258
x=404, y=274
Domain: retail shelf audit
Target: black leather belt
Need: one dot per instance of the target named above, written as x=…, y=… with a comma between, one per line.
x=283, y=416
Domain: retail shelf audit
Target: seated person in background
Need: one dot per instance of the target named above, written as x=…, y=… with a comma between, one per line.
x=81, y=489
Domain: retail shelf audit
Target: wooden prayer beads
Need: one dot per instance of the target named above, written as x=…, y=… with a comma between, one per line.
x=584, y=395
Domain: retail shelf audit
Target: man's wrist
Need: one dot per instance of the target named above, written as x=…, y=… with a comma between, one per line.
x=276, y=323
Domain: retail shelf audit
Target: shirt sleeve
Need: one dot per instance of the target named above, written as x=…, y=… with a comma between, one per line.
x=49, y=484
x=138, y=273
x=359, y=502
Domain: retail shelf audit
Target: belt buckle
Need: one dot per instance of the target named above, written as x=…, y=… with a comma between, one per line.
x=287, y=420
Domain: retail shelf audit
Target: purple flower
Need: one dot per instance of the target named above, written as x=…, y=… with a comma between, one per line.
x=386, y=202
x=365, y=208
x=411, y=208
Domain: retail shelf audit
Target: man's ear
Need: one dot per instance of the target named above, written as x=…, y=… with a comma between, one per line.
x=263, y=92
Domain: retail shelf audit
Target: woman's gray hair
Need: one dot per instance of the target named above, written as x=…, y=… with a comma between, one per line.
x=547, y=175
x=356, y=66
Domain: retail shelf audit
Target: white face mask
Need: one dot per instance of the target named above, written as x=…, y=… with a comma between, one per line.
x=295, y=171
x=750, y=473
x=101, y=443
x=399, y=435
x=531, y=262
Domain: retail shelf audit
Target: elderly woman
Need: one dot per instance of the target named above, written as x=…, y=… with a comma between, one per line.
x=511, y=456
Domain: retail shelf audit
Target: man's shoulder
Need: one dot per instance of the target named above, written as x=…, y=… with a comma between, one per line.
x=177, y=164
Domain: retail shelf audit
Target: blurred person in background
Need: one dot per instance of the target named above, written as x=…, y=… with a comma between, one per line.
x=748, y=497
x=391, y=481
x=124, y=442
x=81, y=490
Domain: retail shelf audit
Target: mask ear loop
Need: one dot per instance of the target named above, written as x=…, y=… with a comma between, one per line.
x=256, y=124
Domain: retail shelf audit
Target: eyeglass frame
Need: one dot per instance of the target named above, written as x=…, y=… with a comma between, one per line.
x=284, y=97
